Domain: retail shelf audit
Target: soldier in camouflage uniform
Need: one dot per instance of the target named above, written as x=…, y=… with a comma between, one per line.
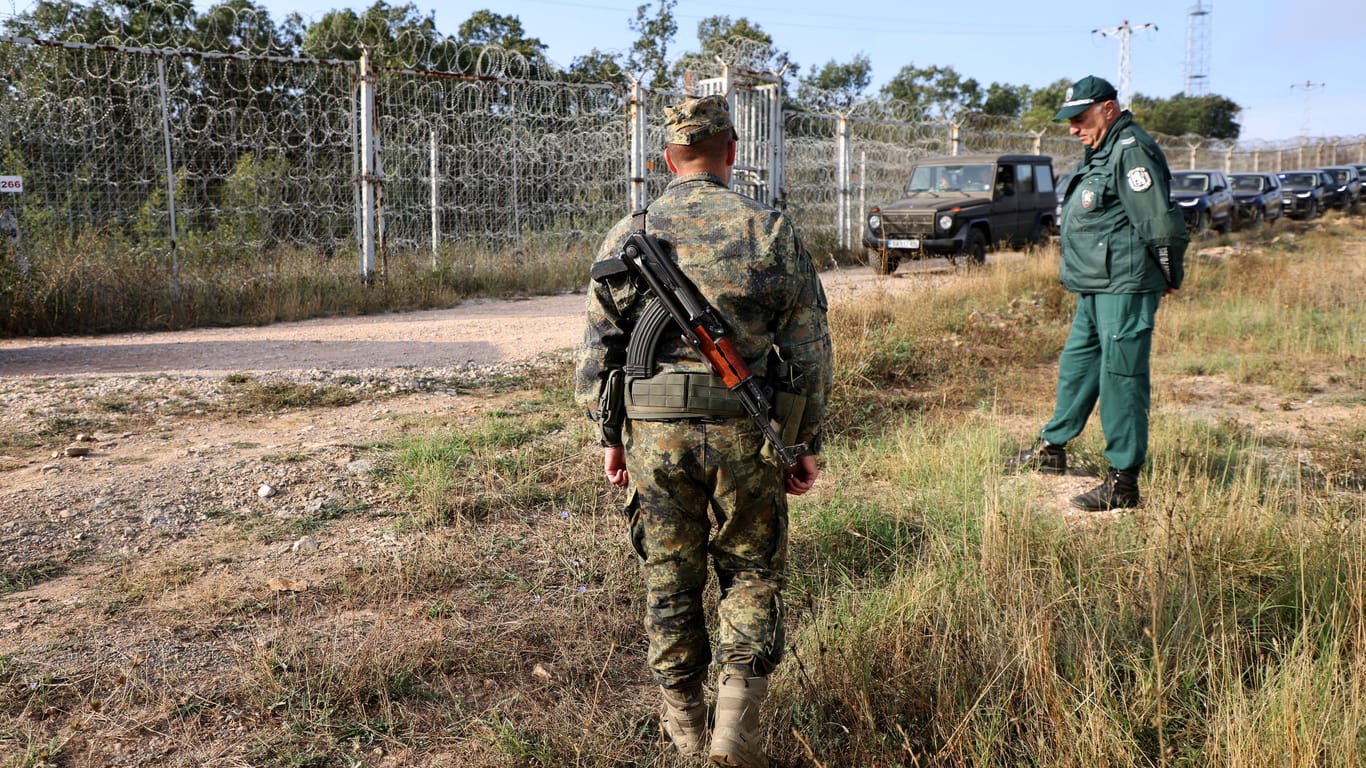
x=699, y=484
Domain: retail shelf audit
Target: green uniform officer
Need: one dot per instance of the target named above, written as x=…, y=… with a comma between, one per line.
x=1123, y=243
x=700, y=491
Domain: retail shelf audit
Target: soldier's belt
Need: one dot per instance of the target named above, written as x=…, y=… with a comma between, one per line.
x=668, y=396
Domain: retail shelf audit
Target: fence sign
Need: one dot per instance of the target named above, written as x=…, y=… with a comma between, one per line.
x=12, y=184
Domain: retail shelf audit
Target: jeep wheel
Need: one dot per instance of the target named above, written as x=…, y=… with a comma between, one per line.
x=882, y=262
x=1312, y=212
x=974, y=249
x=1257, y=218
x=1227, y=226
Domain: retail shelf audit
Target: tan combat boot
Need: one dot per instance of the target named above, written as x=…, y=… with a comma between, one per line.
x=685, y=720
x=736, y=739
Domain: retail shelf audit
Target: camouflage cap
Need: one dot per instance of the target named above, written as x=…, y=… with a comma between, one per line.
x=695, y=119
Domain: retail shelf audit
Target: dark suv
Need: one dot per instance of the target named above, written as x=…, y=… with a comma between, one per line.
x=1205, y=200
x=957, y=207
x=1303, y=192
x=1256, y=197
x=1347, y=191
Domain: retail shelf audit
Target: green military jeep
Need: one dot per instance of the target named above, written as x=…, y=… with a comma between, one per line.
x=958, y=207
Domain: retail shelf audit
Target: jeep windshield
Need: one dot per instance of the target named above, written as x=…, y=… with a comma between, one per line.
x=1248, y=183
x=1299, y=180
x=1190, y=182
x=951, y=178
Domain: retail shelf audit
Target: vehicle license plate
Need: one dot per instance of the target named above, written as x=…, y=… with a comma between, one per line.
x=909, y=245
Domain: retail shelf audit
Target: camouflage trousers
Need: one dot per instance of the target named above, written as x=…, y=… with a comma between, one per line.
x=700, y=491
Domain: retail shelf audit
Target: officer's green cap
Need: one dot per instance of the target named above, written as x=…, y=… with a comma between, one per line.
x=695, y=119
x=1083, y=93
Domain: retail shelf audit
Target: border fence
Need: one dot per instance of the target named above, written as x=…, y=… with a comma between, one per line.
x=170, y=151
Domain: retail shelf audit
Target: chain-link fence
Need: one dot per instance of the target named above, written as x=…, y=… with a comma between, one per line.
x=236, y=155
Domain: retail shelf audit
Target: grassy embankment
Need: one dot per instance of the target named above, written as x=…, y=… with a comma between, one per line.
x=941, y=613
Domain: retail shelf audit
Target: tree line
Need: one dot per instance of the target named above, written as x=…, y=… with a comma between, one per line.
x=401, y=35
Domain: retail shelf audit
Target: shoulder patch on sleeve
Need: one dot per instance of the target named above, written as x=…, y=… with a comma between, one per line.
x=1139, y=178
x=1126, y=141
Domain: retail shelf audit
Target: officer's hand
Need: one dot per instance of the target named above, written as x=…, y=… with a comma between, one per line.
x=802, y=476
x=614, y=466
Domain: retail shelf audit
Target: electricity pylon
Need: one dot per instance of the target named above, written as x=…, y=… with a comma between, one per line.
x=1197, y=49
x=1124, y=32
x=1309, y=87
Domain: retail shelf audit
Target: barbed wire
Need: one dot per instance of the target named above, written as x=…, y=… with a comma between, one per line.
x=264, y=146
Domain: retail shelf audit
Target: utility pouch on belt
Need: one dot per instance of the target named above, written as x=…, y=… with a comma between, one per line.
x=788, y=410
x=612, y=408
x=673, y=396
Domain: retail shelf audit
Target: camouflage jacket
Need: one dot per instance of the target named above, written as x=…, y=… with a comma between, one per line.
x=748, y=261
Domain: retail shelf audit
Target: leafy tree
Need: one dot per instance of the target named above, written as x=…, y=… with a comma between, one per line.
x=836, y=87
x=396, y=36
x=484, y=28
x=933, y=91
x=63, y=20
x=244, y=26
x=1004, y=99
x=649, y=53
x=1043, y=103
x=1210, y=115
x=154, y=23
x=597, y=66
x=740, y=43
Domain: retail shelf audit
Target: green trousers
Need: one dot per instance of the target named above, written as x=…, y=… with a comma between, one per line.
x=1106, y=359
x=702, y=496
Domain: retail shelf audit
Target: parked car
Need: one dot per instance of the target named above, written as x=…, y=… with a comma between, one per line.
x=1302, y=192
x=1060, y=186
x=1205, y=200
x=1256, y=197
x=1346, y=188
x=958, y=207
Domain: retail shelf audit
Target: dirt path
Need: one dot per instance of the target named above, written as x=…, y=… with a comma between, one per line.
x=479, y=332
x=171, y=444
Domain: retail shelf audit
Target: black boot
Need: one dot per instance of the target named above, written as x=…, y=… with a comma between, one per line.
x=1044, y=457
x=1120, y=490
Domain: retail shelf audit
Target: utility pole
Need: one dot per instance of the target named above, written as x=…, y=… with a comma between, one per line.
x=1197, y=49
x=1309, y=88
x=1124, y=32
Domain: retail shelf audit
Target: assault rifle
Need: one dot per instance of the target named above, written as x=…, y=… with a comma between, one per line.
x=704, y=331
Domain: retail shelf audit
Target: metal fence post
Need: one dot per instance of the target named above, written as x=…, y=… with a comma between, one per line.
x=636, y=119
x=170, y=174
x=955, y=138
x=436, y=204
x=842, y=180
x=368, y=157
x=777, y=151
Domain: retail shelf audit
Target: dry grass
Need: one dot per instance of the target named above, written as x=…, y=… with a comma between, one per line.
x=104, y=286
x=486, y=612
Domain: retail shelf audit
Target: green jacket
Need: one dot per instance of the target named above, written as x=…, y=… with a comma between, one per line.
x=1117, y=213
